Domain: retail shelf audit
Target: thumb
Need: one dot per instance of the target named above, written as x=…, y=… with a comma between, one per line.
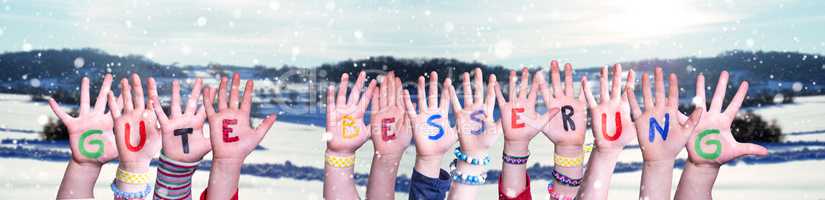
x=263, y=128
x=743, y=149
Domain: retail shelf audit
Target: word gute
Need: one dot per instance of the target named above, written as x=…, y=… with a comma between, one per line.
x=618, y=132
x=716, y=143
x=475, y=117
x=347, y=123
x=654, y=126
x=567, y=118
x=431, y=122
x=386, y=128
x=184, y=137
x=96, y=142
x=514, y=118
x=227, y=138
x=142, y=133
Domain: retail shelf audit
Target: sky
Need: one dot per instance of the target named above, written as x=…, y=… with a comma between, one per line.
x=515, y=33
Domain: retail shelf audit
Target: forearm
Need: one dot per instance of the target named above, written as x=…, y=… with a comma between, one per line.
x=656, y=179
x=596, y=182
x=466, y=191
x=574, y=172
x=696, y=182
x=381, y=184
x=78, y=181
x=339, y=182
x=174, y=179
x=223, y=178
x=513, y=176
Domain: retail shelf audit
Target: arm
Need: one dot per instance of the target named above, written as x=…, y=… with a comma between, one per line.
x=711, y=144
x=231, y=135
x=612, y=129
x=391, y=134
x=90, y=139
x=346, y=132
x=477, y=131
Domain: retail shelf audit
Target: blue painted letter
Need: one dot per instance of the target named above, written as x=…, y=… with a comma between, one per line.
x=440, y=129
x=655, y=125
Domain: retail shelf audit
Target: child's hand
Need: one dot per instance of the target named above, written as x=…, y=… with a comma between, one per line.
x=391, y=130
x=90, y=133
x=477, y=130
x=345, y=118
x=613, y=111
x=138, y=139
x=231, y=132
x=518, y=116
x=568, y=127
x=659, y=138
x=183, y=138
x=711, y=143
x=431, y=125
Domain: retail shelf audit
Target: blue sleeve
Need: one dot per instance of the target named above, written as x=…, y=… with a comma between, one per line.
x=426, y=188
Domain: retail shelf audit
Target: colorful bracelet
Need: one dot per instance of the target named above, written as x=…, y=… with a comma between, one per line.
x=561, y=178
x=130, y=195
x=562, y=161
x=466, y=178
x=557, y=195
x=514, y=160
x=131, y=177
x=340, y=162
x=473, y=161
x=174, y=179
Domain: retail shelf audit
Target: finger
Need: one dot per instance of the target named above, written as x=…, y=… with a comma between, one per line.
x=617, y=81
x=192, y=103
x=500, y=96
x=673, y=97
x=201, y=114
x=699, y=99
x=263, y=128
x=234, y=93
x=126, y=94
x=556, y=78
x=342, y=90
x=209, y=100
x=246, y=102
x=635, y=111
x=381, y=99
x=330, y=99
x=392, y=90
x=490, y=96
x=100, y=103
x=603, y=85
x=478, y=86
x=222, y=94
x=444, y=105
x=693, y=119
x=153, y=91
x=137, y=88
x=162, y=118
x=84, y=96
x=522, y=93
x=646, y=96
x=468, y=91
x=365, y=98
x=719, y=95
x=356, y=89
x=511, y=87
x=545, y=90
x=175, y=105
x=399, y=89
x=58, y=111
x=659, y=85
x=734, y=105
x=432, y=98
x=115, y=104
x=375, y=107
x=568, y=79
x=534, y=92
x=455, y=105
x=408, y=105
x=421, y=94
x=744, y=149
x=588, y=93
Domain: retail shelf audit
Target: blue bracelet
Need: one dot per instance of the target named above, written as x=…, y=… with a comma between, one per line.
x=473, y=161
x=561, y=178
x=465, y=178
x=131, y=195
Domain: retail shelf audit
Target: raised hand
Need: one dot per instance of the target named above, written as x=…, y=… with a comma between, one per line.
x=612, y=124
x=345, y=118
x=182, y=132
x=390, y=127
x=568, y=128
x=519, y=118
x=432, y=132
x=136, y=133
x=477, y=130
x=231, y=132
x=90, y=133
x=711, y=143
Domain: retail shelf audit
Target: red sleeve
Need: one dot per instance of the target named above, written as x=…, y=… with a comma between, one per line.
x=203, y=194
x=524, y=195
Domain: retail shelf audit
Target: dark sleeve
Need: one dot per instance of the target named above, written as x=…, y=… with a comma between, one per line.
x=426, y=188
x=524, y=195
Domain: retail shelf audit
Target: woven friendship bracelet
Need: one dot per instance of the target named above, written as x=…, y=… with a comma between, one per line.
x=514, y=160
x=561, y=178
x=473, y=161
x=562, y=161
x=556, y=195
x=340, y=162
x=130, y=195
x=132, y=178
x=174, y=180
x=466, y=178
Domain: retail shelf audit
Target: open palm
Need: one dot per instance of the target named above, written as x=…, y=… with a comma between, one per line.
x=431, y=126
x=182, y=132
x=136, y=130
x=567, y=128
x=477, y=130
x=519, y=119
x=612, y=124
x=345, y=118
x=92, y=126
x=391, y=130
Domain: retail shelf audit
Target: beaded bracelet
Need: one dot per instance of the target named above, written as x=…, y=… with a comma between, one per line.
x=514, y=160
x=130, y=195
x=473, y=161
x=557, y=195
x=340, y=162
x=131, y=177
x=466, y=178
x=562, y=161
x=561, y=178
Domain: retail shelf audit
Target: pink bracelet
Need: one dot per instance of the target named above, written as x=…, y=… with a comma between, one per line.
x=556, y=195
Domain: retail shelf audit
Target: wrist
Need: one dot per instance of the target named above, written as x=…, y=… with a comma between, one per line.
x=331, y=152
x=569, y=151
x=85, y=166
x=659, y=164
x=135, y=166
x=429, y=166
x=517, y=148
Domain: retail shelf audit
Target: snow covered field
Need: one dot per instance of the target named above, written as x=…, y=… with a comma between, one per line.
x=302, y=146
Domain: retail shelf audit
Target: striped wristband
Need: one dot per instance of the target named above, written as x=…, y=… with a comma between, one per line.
x=514, y=160
x=174, y=179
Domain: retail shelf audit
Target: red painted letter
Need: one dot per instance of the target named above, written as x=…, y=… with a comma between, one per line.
x=142, y=134
x=514, y=118
x=386, y=128
x=618, y=127
x=227, y=130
